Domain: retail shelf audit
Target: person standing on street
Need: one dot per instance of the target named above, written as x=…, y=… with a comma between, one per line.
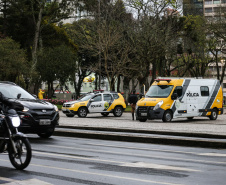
x=132, y=101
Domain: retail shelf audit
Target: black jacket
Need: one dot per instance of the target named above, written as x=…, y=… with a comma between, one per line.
x=133, y=99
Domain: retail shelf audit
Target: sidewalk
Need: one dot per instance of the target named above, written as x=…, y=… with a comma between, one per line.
x=200, y=132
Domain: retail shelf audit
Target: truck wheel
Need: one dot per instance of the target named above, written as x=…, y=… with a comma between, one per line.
x=143, y=119
x=82, y=112
x=213, y=115
x=167, y=116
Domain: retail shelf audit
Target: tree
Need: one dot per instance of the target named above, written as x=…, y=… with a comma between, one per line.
x=13, y=60
x=55, y=64
x=216, y=27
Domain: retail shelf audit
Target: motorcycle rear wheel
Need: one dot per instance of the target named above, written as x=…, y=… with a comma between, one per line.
x=22, y=158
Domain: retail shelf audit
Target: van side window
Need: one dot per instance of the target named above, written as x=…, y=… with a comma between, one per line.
x=204, y=91
x=178, y=90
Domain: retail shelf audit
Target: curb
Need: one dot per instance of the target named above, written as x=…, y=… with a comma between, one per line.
x=190, y=142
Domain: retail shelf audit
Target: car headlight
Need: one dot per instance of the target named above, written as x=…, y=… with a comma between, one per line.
x=15, y=121
x=158, y=105
x=25, y=109
x=56, y=108
x=136, y=107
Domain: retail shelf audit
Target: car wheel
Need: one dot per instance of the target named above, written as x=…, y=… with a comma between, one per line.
x=117, y=111
x=105, y=114
x=167, y=116
x=213, y=115
x=70, y=115
x=46, y=134
x=143, y=119
x=82, y=112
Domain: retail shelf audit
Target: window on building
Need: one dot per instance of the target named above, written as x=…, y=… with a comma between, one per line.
x=208, y=2
x=204, y=91
x=216, y=2
x=208, y=10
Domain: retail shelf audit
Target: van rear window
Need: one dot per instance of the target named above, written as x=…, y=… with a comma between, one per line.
x=204, y=90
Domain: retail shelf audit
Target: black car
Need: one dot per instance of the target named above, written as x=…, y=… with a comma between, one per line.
x=39, y=117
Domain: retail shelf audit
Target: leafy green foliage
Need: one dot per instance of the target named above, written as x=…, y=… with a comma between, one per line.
x=12, y=61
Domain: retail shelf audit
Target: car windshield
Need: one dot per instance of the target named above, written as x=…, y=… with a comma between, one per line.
x=86, y=97
x=159, y=91
x=15, y=92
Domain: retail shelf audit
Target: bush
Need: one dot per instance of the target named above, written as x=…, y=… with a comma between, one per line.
x=56, y=102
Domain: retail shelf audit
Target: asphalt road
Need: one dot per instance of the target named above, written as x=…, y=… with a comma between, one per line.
x=67, y=161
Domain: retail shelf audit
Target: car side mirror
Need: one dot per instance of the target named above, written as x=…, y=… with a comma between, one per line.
x=34, y=95
x=91, y=100
x=174, y=96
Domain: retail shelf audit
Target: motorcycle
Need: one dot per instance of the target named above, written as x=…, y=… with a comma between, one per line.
x=12, y=141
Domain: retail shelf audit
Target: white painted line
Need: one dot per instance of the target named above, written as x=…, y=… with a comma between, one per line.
x=106, y=175
x=139, y=155
x=98, y=174
x=28, y=182
x=157, y=166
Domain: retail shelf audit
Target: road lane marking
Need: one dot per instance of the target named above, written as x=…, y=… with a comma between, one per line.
x=105, y=175
x=27, y=182
x=138, y=164
x=157, y=166
x=213, y=154
x=100, y=174
x=173, y=151
x=139, y=155
x=6, y=179
x=74, y=157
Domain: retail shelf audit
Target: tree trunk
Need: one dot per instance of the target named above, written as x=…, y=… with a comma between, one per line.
x=119, y=83
x=36, y=38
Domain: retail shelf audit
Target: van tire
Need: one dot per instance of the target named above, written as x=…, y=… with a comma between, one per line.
x=82, y=112
x=143, y=119
x=167, y=116
x=213, y=115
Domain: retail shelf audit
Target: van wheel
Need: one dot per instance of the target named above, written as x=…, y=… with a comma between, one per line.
x=82, y=112
x=167, y=116
x=143, y=119
x=213, y=115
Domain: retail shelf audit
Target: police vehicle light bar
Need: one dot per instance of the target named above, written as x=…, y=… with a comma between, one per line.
x=158, y=80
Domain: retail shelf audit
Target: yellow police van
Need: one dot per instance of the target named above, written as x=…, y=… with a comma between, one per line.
x=181, y=98
x=100, y=102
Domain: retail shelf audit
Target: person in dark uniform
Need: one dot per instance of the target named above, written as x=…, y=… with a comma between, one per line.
x=133, y=100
